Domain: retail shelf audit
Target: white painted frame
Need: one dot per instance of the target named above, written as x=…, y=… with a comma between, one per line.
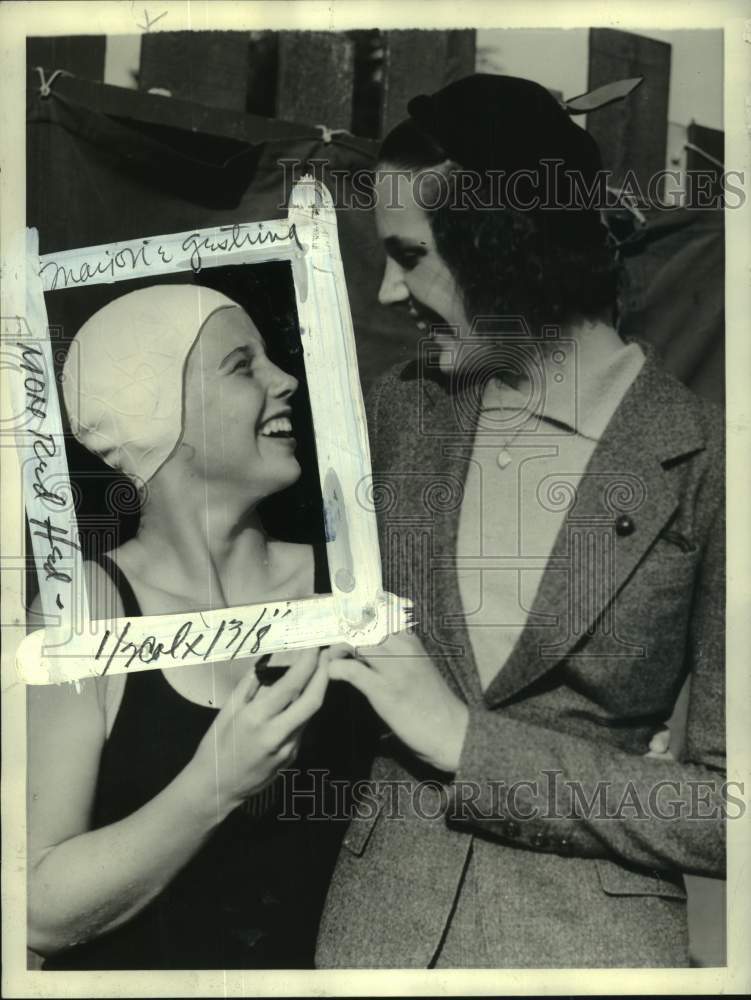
x=357, y=610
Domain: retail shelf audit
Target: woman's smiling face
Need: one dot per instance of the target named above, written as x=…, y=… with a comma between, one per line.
x=415, y=273
x=237, y=415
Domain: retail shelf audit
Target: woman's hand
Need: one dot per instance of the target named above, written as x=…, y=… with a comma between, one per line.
x=404, y=687
x=257, y=732
x=85, y=882
x=659, y=745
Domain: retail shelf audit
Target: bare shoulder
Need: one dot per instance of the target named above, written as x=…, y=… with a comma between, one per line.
x=98, y=696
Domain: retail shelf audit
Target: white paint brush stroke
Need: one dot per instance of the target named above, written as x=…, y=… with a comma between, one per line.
x=54, y=656
x=357, y=611
x=36, y=436
x=240, y=243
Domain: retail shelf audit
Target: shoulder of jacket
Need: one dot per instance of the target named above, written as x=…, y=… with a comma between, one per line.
x=711, y=416
x=684, y=417
x=397, y=384
x=399, y=375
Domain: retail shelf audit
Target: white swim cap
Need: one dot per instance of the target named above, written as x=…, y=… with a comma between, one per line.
x=124, y=373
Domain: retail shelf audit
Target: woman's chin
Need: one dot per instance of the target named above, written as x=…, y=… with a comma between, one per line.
x=289, y=472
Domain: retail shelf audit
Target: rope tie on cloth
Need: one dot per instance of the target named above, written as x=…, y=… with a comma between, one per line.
x=45, y=86
x=327, y=134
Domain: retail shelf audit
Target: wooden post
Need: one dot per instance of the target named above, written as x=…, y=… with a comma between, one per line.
x=461, y=55
x=316, y=78
x=366, y=96
x=632, y=134
x=81, y=55
x=421, y=62
x=206, y=67
x=262, y=73
x=710, y=141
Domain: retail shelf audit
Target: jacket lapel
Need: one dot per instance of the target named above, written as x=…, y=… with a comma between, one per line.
x=591, y=560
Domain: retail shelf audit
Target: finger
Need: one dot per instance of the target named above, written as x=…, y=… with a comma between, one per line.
x=287, y=753
x=343, y=651
x=244, y=691
x=357, y=674
x=660, y=742
x=283, y=737
x=339, y=651
x=298, y=713
x=395, y=644
x=393, y=650
x=274, y=699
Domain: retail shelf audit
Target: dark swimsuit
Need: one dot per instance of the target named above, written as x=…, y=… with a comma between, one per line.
x=251, y=897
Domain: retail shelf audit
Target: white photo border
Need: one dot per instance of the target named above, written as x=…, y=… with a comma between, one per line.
x=21, y=20
x=357, y=611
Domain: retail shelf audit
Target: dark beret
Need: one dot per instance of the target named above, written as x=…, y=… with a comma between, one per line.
x=488, y=122
x=504, y=123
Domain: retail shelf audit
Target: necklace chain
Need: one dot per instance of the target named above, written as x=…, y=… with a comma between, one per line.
x=504, y=456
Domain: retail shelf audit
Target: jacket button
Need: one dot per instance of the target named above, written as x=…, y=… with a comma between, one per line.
x=512, y=828
x=539, y=840
x=624, y=526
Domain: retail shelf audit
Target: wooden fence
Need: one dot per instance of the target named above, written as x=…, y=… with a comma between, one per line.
x=361, y=80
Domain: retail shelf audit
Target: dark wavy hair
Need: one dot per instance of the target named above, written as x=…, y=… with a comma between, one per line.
x=505, y=261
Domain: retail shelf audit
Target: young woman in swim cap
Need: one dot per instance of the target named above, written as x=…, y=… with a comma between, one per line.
x=153, y=796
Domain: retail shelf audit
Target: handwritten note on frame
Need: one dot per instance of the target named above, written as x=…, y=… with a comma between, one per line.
x=357, y=610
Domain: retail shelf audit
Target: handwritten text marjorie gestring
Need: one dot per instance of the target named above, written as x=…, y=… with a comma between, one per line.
x=139, y=258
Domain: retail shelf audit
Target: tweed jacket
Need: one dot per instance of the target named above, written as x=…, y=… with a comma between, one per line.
x=628, y=608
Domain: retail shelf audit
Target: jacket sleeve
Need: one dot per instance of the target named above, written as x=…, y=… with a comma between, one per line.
x=569, y=795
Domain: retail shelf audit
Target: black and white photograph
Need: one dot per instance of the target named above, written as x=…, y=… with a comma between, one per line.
x=374, y=589
x=120, y=368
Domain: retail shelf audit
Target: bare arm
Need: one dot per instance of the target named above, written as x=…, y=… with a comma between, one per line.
x=84, y=882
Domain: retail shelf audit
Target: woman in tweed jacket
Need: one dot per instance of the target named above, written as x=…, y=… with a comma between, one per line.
x=516, y=818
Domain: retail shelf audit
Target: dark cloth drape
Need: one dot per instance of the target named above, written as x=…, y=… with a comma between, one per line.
x=97, y=174
x=108, y=164
x=675, y=294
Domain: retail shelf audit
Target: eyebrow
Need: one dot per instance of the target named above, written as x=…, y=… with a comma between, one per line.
x=395, y=245
x=245, y=350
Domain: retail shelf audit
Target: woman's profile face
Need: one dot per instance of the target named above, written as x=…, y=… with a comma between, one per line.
x=237, y=415
x=416, y=274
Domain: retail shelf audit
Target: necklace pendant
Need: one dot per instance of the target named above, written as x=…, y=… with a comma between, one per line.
x=504, y=458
